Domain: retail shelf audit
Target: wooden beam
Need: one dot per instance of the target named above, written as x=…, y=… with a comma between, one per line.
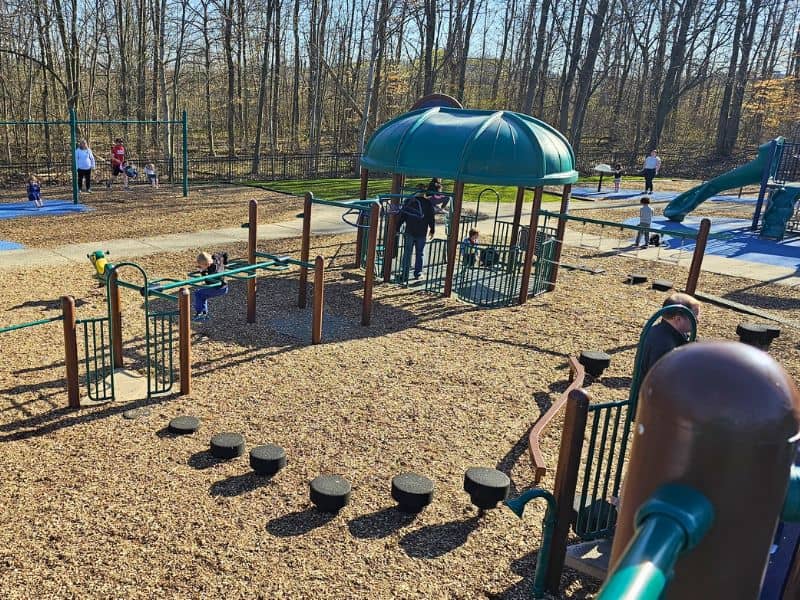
x=452, y=239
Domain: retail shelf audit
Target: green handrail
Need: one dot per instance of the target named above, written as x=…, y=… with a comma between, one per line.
x=31, y=324
x=673, y=520
x=348, y=204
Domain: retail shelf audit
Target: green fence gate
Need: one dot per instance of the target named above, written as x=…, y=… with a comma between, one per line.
x=97, y=358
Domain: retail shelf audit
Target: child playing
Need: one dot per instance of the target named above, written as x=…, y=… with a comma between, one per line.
x=645, y=220
x=469, y=248
x=34, y=191
x=209, y=264
x=617, y=176
x=118, y=161
x=438, y=200
x=152, y=176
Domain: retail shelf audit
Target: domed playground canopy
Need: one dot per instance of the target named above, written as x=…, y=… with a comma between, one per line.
x=472, y=146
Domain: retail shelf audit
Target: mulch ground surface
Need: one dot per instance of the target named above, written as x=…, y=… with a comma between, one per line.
x=96, y=505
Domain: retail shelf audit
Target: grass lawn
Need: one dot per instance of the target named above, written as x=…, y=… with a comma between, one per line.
x=346, y=189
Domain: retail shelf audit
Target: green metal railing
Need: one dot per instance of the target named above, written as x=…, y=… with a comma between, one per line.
x=163, y=334
x=489, y=275
x=30, y=324
x=97, y=359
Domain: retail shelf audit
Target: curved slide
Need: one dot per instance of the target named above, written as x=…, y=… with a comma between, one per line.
x=747, y=174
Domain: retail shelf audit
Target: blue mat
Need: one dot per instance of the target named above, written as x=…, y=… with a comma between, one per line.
x=735, y=240
x=51, y=208
x=583, y=193
x=6, y=245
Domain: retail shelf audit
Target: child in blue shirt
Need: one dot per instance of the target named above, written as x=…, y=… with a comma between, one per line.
x=469, y=248
x=34, y=191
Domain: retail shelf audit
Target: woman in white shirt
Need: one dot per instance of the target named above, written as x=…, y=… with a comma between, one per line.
x=652, y=164
x=84, y=160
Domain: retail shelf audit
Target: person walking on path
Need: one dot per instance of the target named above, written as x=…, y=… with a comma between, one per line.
x=84, y=161
x=652, y=165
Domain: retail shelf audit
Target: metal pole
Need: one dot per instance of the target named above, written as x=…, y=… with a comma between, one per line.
x=185, y=128
x=115, y=308
x=561, y=229
x=73, y=139
x=517, y=215
x=362, y=195
x=697, y=256
x=452, y=241
x=389, y=245
x=185, y=340
x=252, y=240
x=369, y=272
x=319, y=299
x=526, y=267
x=71, y=351
x=304, y=250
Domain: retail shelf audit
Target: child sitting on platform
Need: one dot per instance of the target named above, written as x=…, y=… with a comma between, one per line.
x=469, y=248
x=209, y=264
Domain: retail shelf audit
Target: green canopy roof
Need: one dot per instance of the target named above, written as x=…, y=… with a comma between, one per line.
x=473, y=146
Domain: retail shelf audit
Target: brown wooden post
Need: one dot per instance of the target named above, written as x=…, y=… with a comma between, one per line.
x=569, y=461
x=517, y=215
x=360, y=235
x=391, y=230
x=319, y=298
x=528, y=264
x=252, y=244
x=304, y=250
x=185, y=340
x=71, y=351
x=560, y=231
x=452, y=240
x=116, y=319
x=369, y=273
x=697, y=257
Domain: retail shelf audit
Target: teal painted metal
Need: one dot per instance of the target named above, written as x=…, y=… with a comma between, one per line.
x=675, y=519
x=185, y=145
x=346, y=204
x=161, y=346
x=473, y=146
x=98, y=360
x=791, y=504
x=73, y=140
x=548, y=525
x=30, y=324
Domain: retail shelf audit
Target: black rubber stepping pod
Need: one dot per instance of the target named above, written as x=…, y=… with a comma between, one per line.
x=184, y=425
x=412, y=492
x=267, y=459
x=662, y=285
x=594, y=362
x=330, y=493
x=486, y=487
x=635, y=278
x=756, y=334
x=227, y=445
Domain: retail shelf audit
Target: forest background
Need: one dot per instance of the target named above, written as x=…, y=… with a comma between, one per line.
x=704, y=81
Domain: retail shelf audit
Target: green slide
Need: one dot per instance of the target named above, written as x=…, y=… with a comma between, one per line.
x=747, y=174
x=779, y=211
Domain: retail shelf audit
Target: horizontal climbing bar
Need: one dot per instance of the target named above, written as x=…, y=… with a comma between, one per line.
x=285, y=260
x=568, y=217
x=217, y=276
x=30, y=323
x=160, y=294
x=345, y=203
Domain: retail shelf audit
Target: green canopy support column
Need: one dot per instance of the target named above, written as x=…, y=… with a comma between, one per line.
x=73, y=139
x=560, y=231
x=185, y=132
x=452, y=242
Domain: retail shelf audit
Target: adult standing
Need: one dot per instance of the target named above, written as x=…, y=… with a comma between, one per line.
x=419, y=217
x=118, y=160
x=84, y=161
x=652, y=165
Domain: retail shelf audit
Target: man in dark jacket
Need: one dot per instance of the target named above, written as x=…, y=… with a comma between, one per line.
x=671, y=332
x=418, y=215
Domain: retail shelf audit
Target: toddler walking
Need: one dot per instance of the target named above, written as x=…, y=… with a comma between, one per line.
x=152, y=176
x=34, y=191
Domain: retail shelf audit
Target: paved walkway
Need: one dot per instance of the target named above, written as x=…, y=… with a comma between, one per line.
x=328, y=221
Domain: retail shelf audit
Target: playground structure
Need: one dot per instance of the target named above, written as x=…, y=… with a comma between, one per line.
x=166, y=166
x=775, y=167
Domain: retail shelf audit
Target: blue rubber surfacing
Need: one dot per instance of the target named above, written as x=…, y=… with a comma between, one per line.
x=586, y=193
x=51, y=208
x=730, y=238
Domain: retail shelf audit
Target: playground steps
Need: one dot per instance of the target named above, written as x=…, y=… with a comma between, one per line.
x=590, y=558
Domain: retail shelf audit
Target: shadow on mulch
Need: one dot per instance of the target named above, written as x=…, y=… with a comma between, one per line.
x=525, y=567
x=507, y=463
x=379, y=524
x=47, y=304
x=203, y=460
x=433, y=541
x=298, y=523
x=236, y=485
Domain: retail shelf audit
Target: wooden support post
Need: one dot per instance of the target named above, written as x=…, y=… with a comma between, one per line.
x=319, y=299
x=116, y=319
x=391, y=230
x=526, y=267
x=360, y=234
x=185, y=340
x=560, y=231
x=569, y=461
x=252, y=244
x=517, y=215
x=697, y=257
x=452, y=240
x=369, y=273
x=71, y=351
x=305, y=247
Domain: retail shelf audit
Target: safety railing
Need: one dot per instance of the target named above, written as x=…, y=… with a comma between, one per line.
x=489, y=275
x=97, y=358
x=30, y=324
x=163, y=336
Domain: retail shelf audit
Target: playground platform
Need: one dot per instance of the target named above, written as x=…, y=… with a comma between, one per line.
x=51, y=208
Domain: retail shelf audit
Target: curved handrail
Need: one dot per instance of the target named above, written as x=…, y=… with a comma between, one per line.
x=576, y=376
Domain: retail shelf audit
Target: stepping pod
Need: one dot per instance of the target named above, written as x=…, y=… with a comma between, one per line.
x=635, y=278
x=227, y=445
x=662, y=285
x=757, y=334
x=330, y=493
x=184, y=425
x=267, y=459
x=412, y=492
x=594, y=362
x=486, y=487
